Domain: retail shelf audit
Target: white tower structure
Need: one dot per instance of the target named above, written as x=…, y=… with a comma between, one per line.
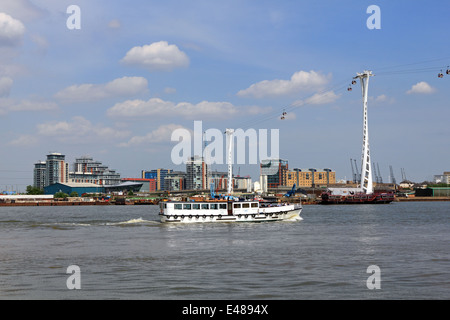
x=229, y=133
x=366, y=169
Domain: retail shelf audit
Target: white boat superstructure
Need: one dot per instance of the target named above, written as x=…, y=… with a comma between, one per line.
x=227, y=211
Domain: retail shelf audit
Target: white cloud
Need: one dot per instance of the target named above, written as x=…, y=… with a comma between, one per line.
x=161, y=134
x=318, y=98
x=11, y=30
x=159, y=107
x=382, y=99
x=29, y=105
x=5, y=86
x=300, y=81
x=80, y=130
x=421, y=88
x=158, y=56
x=121, y=87
x=170, y=90
x=24, y=10
x=24, y=141
x=8, y=105
x=323, y=98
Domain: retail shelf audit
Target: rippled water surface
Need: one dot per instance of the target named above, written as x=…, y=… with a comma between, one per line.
x=124, y=252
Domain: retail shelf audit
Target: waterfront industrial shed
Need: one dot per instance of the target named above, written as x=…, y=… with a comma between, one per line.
x=80, y=188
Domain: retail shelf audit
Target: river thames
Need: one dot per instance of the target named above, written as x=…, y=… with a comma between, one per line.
x=124, y=252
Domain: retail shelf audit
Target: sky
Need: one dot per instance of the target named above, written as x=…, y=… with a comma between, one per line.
x=116, y=79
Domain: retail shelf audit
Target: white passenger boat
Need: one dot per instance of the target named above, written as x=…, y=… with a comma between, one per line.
x=228, y=211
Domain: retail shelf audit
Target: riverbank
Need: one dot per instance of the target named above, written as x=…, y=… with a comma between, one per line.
x=407, y=199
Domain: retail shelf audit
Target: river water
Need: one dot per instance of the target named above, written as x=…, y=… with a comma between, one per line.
x=124, y=252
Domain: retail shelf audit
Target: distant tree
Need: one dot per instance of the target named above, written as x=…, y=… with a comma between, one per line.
x=61, y=195
x=34, y=190
x=74, y=194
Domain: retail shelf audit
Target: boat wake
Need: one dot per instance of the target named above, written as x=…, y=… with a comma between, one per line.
x=70, y=225
x=130, y=222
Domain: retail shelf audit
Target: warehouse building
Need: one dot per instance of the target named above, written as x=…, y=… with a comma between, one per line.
x=80, y=188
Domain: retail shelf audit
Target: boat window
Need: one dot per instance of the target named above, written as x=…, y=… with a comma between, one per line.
x=195, y=206
x=222, y=206
x=236, y=205
x=254, y=205
x=187, y=206
x=246, y=205
x=178, y=206
x=205, y=206
x=213, y=206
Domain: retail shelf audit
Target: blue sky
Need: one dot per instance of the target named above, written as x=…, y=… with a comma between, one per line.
x=137, y=70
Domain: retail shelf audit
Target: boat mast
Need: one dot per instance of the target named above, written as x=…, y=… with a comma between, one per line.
x=229, y=133
x=366, y=169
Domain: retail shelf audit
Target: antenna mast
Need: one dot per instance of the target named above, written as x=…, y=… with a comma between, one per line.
x=366, y=170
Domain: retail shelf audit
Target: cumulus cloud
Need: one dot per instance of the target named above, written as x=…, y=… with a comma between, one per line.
x=121, y=87
x=158, y=56
x=79, y=130
x=11, y=30
x=161, y=134
x=158, y=107
x=300, y=81
x=421, y=88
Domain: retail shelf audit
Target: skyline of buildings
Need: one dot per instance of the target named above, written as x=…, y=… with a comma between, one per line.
x=198, y=176
x=85, y=170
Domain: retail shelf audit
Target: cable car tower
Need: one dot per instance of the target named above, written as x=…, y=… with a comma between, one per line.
x=366, y=169
x=229, y=133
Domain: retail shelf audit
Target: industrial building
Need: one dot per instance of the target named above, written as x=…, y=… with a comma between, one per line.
x=275, y=170
x=39, y=174
x=196, y=174
x=175, y=181
x=158, y=175
x=148, y=185
x=87, y=170
x=310, y=177
x=68, y=188
x=442, y=178
x=53, y=170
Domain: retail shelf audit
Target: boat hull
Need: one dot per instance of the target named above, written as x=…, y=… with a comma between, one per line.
x=375, y=198
x=264, y=215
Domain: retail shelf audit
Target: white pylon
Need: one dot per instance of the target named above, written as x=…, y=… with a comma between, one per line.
x=366, y=169
x=229, y=133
